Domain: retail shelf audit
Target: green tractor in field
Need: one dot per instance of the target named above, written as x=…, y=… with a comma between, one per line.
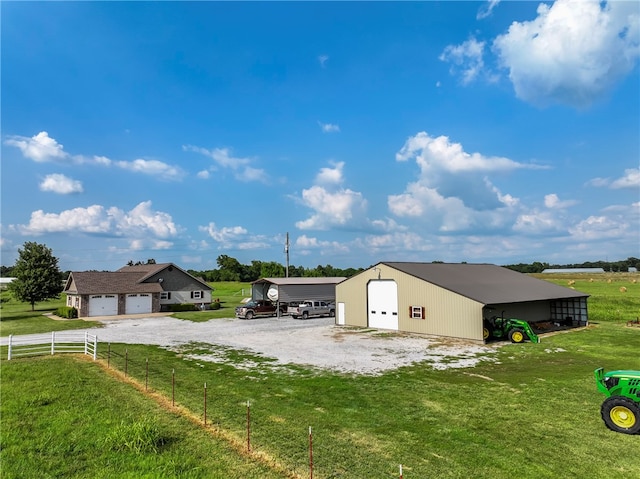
x=621, y=410
x=516, y=330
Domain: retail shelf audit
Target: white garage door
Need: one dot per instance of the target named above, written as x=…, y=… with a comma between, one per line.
x=103, y=305
x=138, y=304
x=383, y=304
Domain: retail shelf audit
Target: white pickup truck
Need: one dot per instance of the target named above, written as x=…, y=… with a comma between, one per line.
x=309, y=309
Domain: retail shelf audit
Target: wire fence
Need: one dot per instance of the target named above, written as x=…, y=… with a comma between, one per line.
x=245, y=426
x=250, y=426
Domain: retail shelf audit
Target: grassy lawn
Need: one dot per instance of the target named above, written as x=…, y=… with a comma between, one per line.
x=230, y=295
x=70, y=419
x=530, y=411
x=17, y=318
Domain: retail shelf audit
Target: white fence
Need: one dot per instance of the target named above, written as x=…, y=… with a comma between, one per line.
x=56, y=342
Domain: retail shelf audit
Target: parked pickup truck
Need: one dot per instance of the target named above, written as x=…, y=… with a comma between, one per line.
x=309, y=309
x=256, y=308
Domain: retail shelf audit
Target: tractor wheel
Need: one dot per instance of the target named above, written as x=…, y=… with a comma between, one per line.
x=487, y=331
x=621, y=414
x=516, y=335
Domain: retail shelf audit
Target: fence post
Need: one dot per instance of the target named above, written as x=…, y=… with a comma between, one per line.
x=248, y=426
x=53, y=342
x=400, y=471
x=310, y=454
x=95, y=348
x=9, y=352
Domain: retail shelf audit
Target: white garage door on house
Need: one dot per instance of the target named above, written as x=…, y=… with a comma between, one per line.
x=382, y=302
x=103, y=305
x=138, y=304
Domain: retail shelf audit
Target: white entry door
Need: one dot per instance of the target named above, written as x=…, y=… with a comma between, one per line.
x=103, y=305
x=138, y=304
x=382, y=301
x=340, y=314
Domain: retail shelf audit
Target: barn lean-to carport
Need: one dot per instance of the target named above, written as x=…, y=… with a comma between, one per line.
x=285, y=291
x=452, y=299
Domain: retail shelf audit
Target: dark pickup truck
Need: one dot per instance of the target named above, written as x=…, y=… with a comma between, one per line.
x=256, y=308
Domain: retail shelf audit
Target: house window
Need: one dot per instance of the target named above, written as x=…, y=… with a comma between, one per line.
x=416, y=312
x=196, y=294
x=165, y=295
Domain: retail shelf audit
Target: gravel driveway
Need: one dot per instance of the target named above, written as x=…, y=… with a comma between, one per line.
x=314, y=342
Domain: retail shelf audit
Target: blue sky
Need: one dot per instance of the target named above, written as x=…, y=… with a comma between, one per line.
x=498, y=132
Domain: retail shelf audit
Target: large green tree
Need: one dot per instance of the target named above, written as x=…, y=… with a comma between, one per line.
x=37, y=274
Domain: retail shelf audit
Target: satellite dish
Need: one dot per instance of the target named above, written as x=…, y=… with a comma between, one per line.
x=272, y=293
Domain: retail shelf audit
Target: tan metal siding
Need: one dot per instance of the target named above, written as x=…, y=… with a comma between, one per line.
x=446, y=313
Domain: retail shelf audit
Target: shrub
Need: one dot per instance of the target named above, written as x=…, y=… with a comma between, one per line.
x=68, y=312
x=182, y=307
x=215, y=305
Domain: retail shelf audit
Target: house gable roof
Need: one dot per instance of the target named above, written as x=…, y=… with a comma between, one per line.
x=130, y=279
x=149, y=270
x=486, y=283
x=106, y=282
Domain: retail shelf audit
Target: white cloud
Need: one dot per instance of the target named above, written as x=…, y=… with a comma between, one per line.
x=630, y=179
x=253, y=174
x=329, y=127
x=453, y=191
x=204, y=174
x=153, y=168
x=305, y=245
x=234, y=237
x=143, y=219
x=573, y=52
x=224, y=234
x=487, y=9
x=223, y=158
x=140, y=222
x=332, y=208
x=40, y=147
x=323, y=60
x=467, y=58
x=58, y=183
x=331, y=176
x=552, y=201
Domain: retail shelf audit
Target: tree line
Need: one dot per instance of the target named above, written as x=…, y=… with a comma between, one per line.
x=38, y=276
x=230, y=269
x=609, y=266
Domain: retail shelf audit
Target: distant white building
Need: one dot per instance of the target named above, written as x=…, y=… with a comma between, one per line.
x=574, y=270
x=4, y=282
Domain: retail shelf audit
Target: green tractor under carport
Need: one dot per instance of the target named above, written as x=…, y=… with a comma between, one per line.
x=516, y=330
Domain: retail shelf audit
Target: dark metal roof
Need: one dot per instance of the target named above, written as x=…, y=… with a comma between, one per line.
x=306, y=280
x=486, y=283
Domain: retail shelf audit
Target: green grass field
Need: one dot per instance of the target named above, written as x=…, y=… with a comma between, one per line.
x=531, y=411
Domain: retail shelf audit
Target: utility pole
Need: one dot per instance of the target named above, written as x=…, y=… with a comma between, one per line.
x=286, y=250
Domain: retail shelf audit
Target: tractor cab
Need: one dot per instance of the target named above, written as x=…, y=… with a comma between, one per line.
x=499, y=327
